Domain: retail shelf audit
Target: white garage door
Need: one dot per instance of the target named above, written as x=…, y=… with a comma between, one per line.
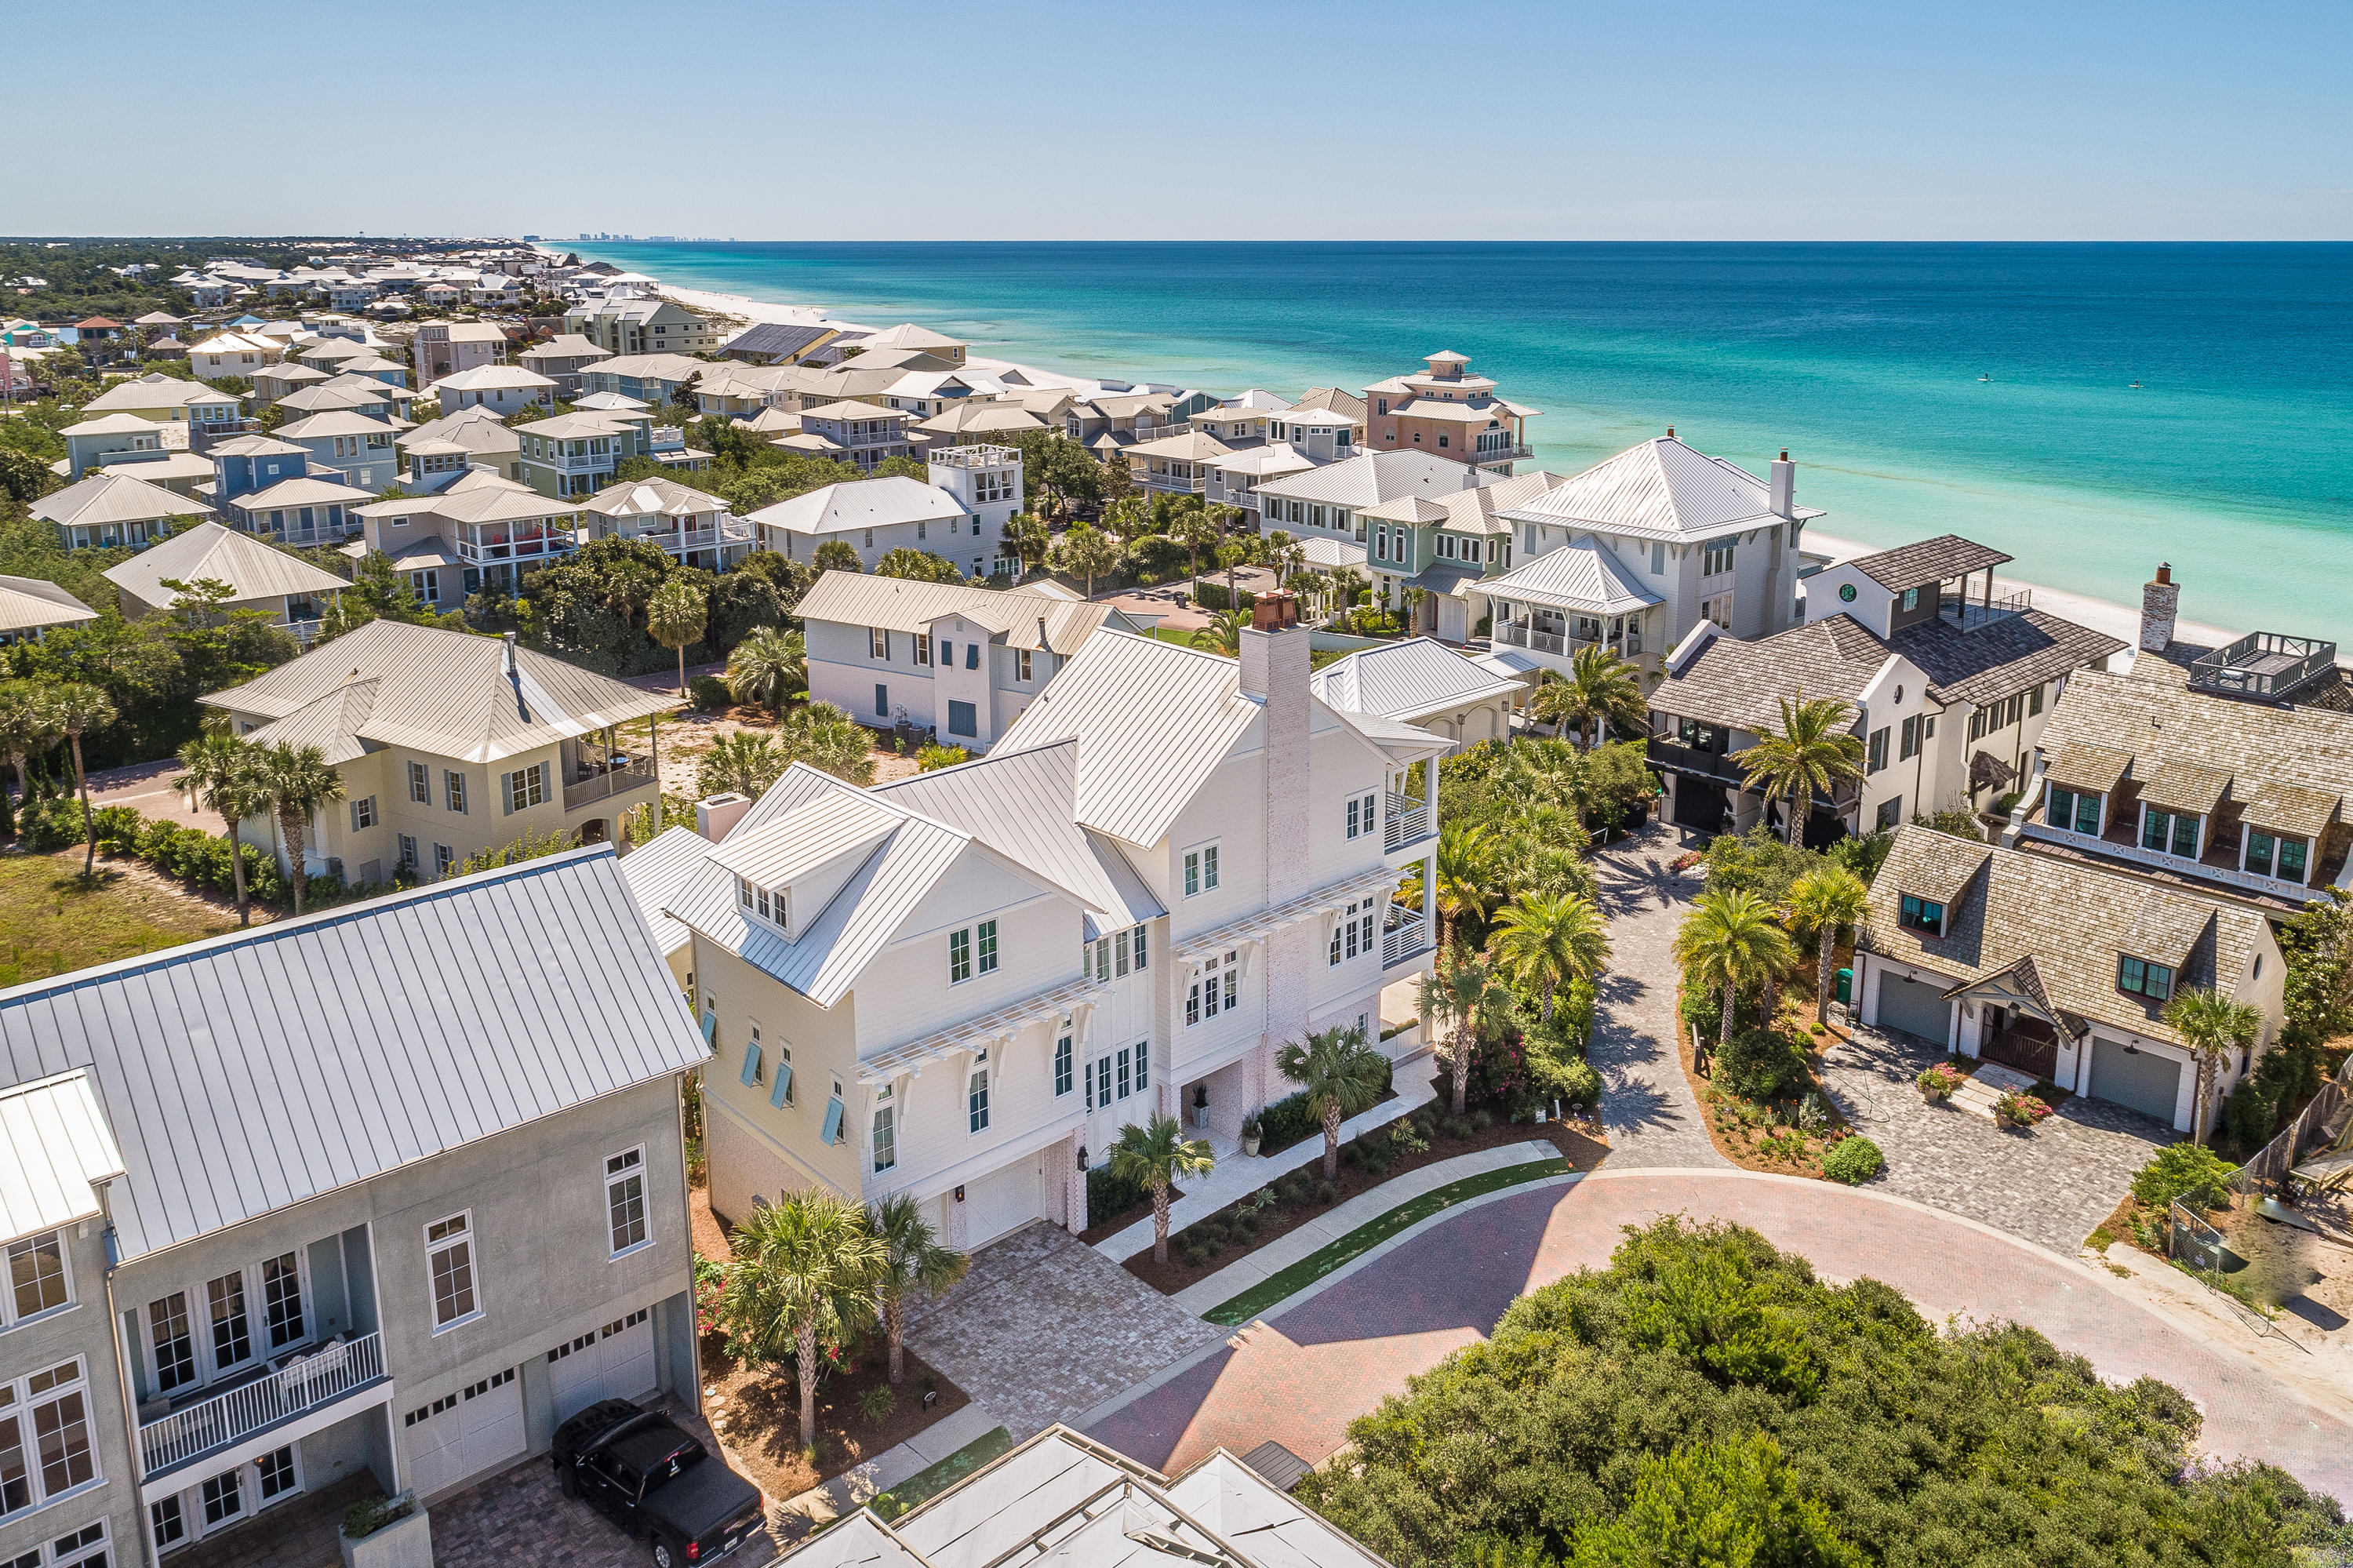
x=465, y=1433
x=1003, y=1200
x=616, y=1361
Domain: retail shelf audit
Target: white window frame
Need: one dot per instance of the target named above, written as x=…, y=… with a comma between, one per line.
x=878, y=639
x=978, y=1098
x=470, y=1240
x=1200, y=867
x=363, y=814
x=525, y=787
x=453, y=790
x=420, y=784
x=22, y=1403
x=633, y=1171
x=10, y=1318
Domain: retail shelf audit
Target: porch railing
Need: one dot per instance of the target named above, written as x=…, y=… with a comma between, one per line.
x=612, y=782
x=304, y=1384
x=1407, y=819
x=1409, y=938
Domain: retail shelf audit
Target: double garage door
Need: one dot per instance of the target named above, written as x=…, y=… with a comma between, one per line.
x=464, y=1434
x=1915, y=1007
x=2144, y=1080
x=616, y=1361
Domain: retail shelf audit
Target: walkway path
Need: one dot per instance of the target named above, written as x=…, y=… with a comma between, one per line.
x=1302, y=1373
x=1647, y=1106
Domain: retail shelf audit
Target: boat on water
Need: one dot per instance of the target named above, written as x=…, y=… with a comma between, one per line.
x=2133, y=387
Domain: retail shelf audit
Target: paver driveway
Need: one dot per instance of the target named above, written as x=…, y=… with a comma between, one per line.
x=1646, y=1104
x=1331, y=1356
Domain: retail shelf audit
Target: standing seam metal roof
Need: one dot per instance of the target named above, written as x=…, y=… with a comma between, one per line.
x=58, y=1149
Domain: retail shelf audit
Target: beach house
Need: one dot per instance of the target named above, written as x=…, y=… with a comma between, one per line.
x=444, y=348
x=692, y=527
x=561, y=359
x=30, y=606
x=960, y=986
x=860, y=433
x=626, y=326
x=438, y=451
x=503, y=389
x=112, y=508
x=356, y=447
x=239, y=1295
x=289, y=590
x=1465, y=697
x=1446, y=411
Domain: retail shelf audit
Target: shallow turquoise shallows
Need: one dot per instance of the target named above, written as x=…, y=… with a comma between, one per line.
x=2231, y=458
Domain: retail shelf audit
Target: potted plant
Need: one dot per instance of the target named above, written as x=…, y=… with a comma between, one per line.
x=1938, y=1081
x=2017, y=1111
x=387, y=1532
x=1251, y=1133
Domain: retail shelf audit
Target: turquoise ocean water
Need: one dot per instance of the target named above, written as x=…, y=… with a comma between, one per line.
x=2231, y=459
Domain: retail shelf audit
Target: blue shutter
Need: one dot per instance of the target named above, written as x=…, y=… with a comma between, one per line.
x=710, y=1029
x=784, y=1084
x=832, y=1133
x=751, y=1063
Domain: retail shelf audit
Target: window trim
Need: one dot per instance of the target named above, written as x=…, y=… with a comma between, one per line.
x=10, y=1319
x=1911, y=913
x=22, y=1406
x=1199, y=866
x=635, y=1171
x=465, y=1219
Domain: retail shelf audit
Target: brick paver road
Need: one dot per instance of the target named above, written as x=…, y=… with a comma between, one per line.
x=1300, y=1378
x=1647, y=1105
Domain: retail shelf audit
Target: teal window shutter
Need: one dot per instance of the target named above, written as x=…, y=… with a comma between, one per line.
x=784, y=1084
x=710, y=1029
x=751, y=1063
x=832, y=1133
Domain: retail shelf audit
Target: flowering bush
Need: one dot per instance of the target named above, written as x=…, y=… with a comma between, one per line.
x=1938, y=1080
x=2014, y=1109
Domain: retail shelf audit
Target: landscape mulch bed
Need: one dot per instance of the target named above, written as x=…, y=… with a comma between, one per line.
x=1102, y=1230
x=1740, y=1143
x=1582, y=1151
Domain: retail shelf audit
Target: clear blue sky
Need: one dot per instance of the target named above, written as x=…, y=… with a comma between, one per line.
x=915, y=121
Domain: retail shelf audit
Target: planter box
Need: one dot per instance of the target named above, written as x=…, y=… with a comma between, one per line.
x=404, y=1544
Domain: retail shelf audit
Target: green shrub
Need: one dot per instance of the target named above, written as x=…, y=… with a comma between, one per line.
x=710, y=694
x=877, y=1403
x=1455, y=1127
x=1853, y=1161
x=1576, y=1085
x=1702, y=1009
x=1761, y=1064
x=1108, y=1195
x=1325, y=1192
x=1285, y=1122
x=2188, y=1172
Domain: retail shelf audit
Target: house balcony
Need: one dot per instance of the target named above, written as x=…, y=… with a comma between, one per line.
x=1406, y=940
x=2263, y=664
x=1405, y=820
x=543, y=548
x=1693, y=763
x=592, y=784
x=1495, y=454
x=206, y=434
x=1526, y=634
x=1968, y=614
x=666, y=439
x=274, y=1397
x=2217, y=861
x=1174, y=483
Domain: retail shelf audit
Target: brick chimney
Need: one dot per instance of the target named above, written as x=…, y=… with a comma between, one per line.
x=2160, y=599
x=1275, y=670
x=1785, y=485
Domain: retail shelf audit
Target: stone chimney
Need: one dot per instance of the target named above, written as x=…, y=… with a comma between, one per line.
x=1785, y=485
x=1275, y=670
x=715, y=814
x=2160, y=598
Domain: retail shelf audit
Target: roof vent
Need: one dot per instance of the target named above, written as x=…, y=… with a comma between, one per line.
x=509, y=638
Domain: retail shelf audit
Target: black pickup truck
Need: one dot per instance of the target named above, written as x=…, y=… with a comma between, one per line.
x=652, y=1477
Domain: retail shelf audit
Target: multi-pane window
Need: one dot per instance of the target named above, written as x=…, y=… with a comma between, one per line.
x=1125, y=1086
x=83, y=1548
x=420, y=783
x=922, y=647
x=1099, y=1083
x=2270, y=855
x=409, y=852
x=1212, y=991
x=1022, y=664
x=1922, y=914
x=223, y=1498
x=445, y=859
x=276, y=1470
x=1717, y=559
x=1353, y=933
x=959, y=957
x=449, y=1259
x=987, y=933
x=453, y=790
x=1200, y=870
x=45, y=1442
x=886, y=1136
x=878, y=641
x=37, y=1275
x=975, y=1096
x=1142, y=1067
x=170, y=1525
x=2069, y=809
x=281, y=1299
x=1137, y=946
x=2142, y=978
x=624, y=1198
x=527, y=787
x=1363, y=816
x=1907, y=744
x=232, y=1333
x=1062, y=1065
x=2173, y=833
x=175, y=1346
x=364, y=813
x=1875, y=752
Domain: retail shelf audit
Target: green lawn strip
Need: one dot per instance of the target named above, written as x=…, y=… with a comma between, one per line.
x=1275, y=1286
x=939, y=1478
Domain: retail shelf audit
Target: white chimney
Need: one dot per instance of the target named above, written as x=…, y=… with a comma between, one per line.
x=715, y=814
x=2160, y=599
x=508, y=638
x=1274, y=658
x=1785, y=485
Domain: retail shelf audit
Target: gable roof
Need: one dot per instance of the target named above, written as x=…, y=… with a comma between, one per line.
x=900, y=604
x=1370, y=478
x=26, y=603
x=1743, y=683
x=1937, y=560
x=1579, y=576
x=1659, y=489
x=657, y=873
x=58, y=1152
x=1405, y=680
x=256, y=1070
x=447, y=692
x=252, y=569
x=862, y=503
x=114, y=497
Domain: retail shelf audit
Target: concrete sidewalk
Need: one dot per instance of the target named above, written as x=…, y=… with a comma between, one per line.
x=1362, y=1209
x=1238, y=1175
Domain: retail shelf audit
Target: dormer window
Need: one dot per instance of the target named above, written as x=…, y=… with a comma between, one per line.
x=2075, y=810
x=2170, y=833
x=1922, y=915
x=768, y=904
x=2141, y=978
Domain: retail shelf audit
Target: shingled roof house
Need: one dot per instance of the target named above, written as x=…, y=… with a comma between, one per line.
x=2059, y=968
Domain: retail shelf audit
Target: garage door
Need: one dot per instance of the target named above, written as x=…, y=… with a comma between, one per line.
x=465, y=1433
x=1914, y=1007
x=616, y=1361
x=2142, y=1079
x=1002, y=1201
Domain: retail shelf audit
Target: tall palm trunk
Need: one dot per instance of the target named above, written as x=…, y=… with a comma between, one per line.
x=1462, y=1065
x=292, y=827
x=1822, y=976
x=236, y=869
x=2205, y=1088
x=1546, y=1013
x=1160, y=1220
x=88, y=822
x=894, y=1323
x=1330, y=1140
x=808, y=1358
x=1731, y=1005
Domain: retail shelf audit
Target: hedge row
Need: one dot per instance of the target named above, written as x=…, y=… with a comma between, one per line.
x=189, y=856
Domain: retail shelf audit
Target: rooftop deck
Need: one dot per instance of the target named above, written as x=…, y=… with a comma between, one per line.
x=2264, y=664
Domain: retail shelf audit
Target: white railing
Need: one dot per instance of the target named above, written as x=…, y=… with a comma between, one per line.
x=303, y=1383
x=612, y=782
x=1521, y=634
x=2157, y=860
x=1407, y=819
x=1409, y=938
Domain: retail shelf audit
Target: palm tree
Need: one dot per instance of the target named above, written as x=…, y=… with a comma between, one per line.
x=806, y=1270
x=1157, y=1157
x=1456, y=994
x=1729, y=940
x=2211, y=1025
x=1811, y=755
x=1600, y=687
x=298, y=782
x=1193, y=529
x=767, y=667
x=76, y=707
x=839, y=556
x=830, y=740
x=26, y=726
x=1087, y=552
x=1223, y=634
x=675, y=617
x=1340, y=1075
x=1466, y=864
x=741, y=762
x=1549, y=943
x=1026, y=540
x=912, y=1259
x=222, y=775
x=1825, y=902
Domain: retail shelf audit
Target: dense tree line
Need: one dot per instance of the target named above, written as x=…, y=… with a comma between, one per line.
x=592, y=607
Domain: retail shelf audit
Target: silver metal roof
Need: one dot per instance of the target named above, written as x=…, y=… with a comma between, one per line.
x=1371, y=478
x=900, y=604
x=1406, y=680
x=57, y=1153
x=1582, y=577
x=116, y=497
x=1660, y=489
x=657, y=873
x=261, y=1068
x=29, y=602
x=252, y=569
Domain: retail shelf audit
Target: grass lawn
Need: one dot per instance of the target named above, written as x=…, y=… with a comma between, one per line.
x=51, y=922
x=928, y=1483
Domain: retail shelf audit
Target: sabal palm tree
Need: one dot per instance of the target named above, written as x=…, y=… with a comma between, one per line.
x=741, y=762
x=1600, y=687
x=1193, y=529
x=1087, y=552
x=767, y=667
x=1727, y=940
x=1466, y=867
x=1157, y=1157
x=75, y=708
x=675, y=617
x=27, y=725
x=805, y=1274
x=1223, y=634
x=2211, y=1025
x=830, y=740
x=1340, y=1075
x=298, y=782
x=913, y=1260
x=1550, y=943
x=223, y=776
x=1811, y=755
x=1456, y=994
x=1825, y=902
